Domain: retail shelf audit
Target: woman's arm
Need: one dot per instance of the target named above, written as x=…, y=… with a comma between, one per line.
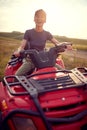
x=22, y=46
x=55, y=41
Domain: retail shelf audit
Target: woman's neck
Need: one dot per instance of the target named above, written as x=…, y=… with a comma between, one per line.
x=38, y=29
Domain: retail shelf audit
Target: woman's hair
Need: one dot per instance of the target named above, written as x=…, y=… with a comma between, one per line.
x=40, y=11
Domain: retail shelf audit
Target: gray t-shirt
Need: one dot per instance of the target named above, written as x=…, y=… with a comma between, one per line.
x=37, y=40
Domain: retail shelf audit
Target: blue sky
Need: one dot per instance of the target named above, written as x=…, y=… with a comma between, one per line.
x=64, y=17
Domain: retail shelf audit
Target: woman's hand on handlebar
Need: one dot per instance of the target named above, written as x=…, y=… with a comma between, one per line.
x=68, y=45
x=17, y=53
x=63, y=46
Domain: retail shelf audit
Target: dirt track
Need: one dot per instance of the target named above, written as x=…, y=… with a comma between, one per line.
x=75, y=53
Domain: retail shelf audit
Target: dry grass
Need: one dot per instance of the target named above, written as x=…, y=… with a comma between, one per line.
x=72, y=62
x=8, y=46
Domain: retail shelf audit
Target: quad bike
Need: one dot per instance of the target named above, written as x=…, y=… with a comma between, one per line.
x=47, y=99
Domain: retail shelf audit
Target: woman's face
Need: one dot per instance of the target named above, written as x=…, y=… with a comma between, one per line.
x=40, y=19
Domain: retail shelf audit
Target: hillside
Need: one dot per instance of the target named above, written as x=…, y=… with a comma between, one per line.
x=80, y=44
x=12, y=35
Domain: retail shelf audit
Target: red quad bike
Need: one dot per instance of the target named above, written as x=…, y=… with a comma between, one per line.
x=47, y=99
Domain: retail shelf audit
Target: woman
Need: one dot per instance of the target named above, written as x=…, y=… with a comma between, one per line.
x=34, y=39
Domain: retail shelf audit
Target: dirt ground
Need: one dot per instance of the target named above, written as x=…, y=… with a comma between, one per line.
x=77, y=53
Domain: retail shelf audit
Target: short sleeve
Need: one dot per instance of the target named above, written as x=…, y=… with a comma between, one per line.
x=50, y=36
x=26, y=35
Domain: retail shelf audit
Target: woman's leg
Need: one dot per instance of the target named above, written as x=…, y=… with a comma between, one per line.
x=26, y=67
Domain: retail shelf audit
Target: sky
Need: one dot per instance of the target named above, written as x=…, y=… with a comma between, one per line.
x=64, y=17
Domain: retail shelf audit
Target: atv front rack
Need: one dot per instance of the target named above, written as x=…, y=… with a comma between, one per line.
x=73, y=78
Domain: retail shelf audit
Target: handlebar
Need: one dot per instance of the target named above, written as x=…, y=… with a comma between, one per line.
x=46, y=57
x=58, y=49
x=64, y=44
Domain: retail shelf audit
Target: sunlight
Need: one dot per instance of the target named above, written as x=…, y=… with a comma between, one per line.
x=66, y=18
